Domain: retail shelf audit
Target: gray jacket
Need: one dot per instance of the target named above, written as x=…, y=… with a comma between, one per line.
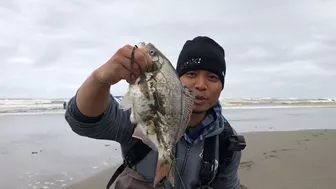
x=115, y=125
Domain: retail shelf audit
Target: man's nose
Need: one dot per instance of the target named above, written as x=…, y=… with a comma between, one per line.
x=200, y=84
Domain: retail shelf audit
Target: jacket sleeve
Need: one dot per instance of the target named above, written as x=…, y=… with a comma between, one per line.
x=114, y=124
x=227, y=175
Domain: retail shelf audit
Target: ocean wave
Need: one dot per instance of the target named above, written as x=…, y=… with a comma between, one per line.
x=31, y=101
x=226, y=100
x=35, y=110
x=32, y=113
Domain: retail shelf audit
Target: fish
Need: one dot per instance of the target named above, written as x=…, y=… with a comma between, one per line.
x=161, y=107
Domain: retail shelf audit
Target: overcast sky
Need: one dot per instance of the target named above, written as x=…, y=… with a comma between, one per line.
x=273, y=48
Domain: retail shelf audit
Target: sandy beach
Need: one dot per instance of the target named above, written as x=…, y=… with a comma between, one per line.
x=277, y=160
x=42, y=152
x=296, y=159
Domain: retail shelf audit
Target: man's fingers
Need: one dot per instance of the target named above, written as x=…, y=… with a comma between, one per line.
x=142, y=59
x=126, y=63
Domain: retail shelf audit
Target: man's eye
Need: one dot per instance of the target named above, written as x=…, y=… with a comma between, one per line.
x=213, y=77
x=191, y=74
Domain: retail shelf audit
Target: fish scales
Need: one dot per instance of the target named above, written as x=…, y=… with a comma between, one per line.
x=160, y=108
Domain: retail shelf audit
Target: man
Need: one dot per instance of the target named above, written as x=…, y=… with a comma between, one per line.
x=94, y=113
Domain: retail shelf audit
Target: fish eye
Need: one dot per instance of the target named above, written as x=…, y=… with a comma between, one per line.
x=152, y=52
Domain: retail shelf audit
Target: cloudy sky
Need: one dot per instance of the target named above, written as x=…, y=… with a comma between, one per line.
x=273, y=48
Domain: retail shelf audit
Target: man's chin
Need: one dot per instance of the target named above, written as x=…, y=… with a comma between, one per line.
x=199, y=111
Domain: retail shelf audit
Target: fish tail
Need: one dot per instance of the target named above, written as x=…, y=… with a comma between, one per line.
x=165, y=168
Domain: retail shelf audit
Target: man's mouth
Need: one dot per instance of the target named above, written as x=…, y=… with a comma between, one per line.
x=199, y=99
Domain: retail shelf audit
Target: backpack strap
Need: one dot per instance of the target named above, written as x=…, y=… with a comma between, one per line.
x=208, y=161
x=137, y=152
x=228, y=143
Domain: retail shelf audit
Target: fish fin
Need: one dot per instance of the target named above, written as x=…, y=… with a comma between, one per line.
x=139, y=133
x=126, y=101
x=164, y=168
x=186, y=110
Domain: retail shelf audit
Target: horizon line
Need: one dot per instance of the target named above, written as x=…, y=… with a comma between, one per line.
x=221, y=97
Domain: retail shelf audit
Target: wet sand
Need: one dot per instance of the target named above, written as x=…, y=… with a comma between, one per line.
x=41, y=152
x=277, y=160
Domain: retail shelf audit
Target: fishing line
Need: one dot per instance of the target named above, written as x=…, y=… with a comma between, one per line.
x=180, y=177
x=132, y=62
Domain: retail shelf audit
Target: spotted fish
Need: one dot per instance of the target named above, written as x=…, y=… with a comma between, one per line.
x=160, y=108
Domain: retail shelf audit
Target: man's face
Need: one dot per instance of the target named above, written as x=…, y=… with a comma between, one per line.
x=207, y=86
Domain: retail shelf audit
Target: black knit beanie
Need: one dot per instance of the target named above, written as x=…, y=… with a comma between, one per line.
x=202, y=53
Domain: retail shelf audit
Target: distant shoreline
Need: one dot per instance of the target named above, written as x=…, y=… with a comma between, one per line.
x=37, y=111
